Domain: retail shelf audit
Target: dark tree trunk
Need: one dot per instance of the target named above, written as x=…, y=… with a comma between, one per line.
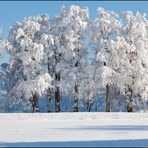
x=107, y=99
x=76, y=99
x=107, y=108
x=114, y=94
x=49, y=100
x=34, y=102
x=129, y=99
x=57, y=94
x=76, y=109
x=50, y=70
x=89, y=105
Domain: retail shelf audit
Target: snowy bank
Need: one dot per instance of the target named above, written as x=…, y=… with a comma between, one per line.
x=72, y=116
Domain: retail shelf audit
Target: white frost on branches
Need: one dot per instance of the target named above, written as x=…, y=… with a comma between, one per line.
x=27, y=55
x=77, y=56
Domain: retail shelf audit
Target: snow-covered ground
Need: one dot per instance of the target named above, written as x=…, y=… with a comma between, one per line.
x=74, y=129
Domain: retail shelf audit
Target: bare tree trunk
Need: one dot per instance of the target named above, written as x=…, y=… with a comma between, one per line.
x=129, y=99
x=7, y=105
x=115, y=98
x=50, y=71
x=107, y=99
x=49, y=100
x=89, y=104
x=107, y=108
x=57, y=95
x=76, y=99
x=57, y=99
x=76, y=94
x=35, y=103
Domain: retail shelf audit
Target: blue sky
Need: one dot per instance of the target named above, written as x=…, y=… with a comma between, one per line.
x=12, y=11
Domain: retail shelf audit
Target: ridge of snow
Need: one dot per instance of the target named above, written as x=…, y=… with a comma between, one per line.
x=72, y=116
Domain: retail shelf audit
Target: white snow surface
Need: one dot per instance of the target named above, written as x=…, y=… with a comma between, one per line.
x=74, y=129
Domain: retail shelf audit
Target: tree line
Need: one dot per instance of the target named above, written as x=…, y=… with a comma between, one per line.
x=76, y=57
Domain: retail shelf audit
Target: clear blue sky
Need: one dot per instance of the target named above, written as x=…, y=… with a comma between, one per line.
x=12, y=11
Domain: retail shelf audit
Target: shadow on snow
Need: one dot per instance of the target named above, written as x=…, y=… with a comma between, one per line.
x=110, y=128
x=106, y=143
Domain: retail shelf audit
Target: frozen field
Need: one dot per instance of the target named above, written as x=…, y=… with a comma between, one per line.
x=74, y=129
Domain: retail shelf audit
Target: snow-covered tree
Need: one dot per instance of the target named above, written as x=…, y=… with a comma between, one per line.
x=130, y=58
x=29, y=78
x=105, y=27
x=3, y=78
x=73, y=24
x=53, y=56
x=67, y=51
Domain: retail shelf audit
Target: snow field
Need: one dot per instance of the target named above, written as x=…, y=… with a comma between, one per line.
x=74, y=129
